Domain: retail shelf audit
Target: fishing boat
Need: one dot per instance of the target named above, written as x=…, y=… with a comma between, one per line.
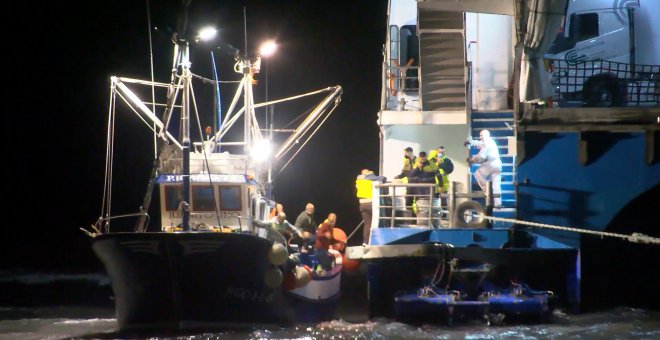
x=215, y=260
x=453, y=68
x=319, y=299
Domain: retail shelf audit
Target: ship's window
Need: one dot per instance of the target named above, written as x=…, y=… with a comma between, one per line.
x=584, y=26
x=173, y=196
x=202, y=198
x=230, y=197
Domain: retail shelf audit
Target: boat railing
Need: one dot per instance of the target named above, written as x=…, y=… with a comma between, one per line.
x=266, y=230
x=102, y=225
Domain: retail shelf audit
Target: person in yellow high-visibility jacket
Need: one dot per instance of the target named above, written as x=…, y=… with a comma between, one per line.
x=433, y=159
x=445, y=167
x=409, y=161
x=364, y=186
x=424, y=171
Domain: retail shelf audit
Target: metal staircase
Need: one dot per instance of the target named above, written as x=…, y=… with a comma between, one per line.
x=442, y=54
x=501, y=125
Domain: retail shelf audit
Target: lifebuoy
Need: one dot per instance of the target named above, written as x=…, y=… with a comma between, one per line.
x=463, y=215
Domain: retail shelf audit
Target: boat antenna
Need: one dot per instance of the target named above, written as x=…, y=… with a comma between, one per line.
x=245, y=31
x=183, y=19
x=153, y=88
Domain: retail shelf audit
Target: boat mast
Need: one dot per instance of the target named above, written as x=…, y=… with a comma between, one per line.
x=185, y=132
x=246, y=68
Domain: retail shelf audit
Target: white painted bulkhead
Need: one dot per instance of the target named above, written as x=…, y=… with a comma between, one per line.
x=489, y=45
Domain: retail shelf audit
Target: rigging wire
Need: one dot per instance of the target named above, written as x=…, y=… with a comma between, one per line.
x=153, y=129
x=327, y=115
x=153, y=87
x=206, y=160
x=213, y=82
x=109, y=151
x=301, y=116
x=170, y=104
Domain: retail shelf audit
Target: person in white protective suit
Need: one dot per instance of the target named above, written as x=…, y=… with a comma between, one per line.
x=490, y=164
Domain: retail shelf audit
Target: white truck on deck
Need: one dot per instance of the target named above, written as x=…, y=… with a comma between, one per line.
x=606, y=54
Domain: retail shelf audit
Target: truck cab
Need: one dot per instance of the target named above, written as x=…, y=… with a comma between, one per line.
x=595, y=60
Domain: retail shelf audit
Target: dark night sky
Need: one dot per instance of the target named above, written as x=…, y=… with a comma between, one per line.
x=59, y=57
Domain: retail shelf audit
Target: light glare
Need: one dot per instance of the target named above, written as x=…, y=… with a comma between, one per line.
x=267, y=49
x=261, y=150
x=207, y=33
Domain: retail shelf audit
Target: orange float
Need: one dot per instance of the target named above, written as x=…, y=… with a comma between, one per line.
x=339, y=236
x=350, y=265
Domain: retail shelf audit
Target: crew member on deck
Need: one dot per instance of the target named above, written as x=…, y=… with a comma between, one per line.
x=307, y=224
x=281, y=225
x=324, y=238
x=364, y=186
x=409, y=160
x=490, y=165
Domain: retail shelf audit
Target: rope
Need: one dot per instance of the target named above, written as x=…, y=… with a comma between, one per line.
x=634, y=237
x=327, y=115
x=206, y=159
x=354, y=230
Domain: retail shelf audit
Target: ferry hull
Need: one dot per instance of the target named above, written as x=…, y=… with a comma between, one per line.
x=552, y=270
x=190, y=280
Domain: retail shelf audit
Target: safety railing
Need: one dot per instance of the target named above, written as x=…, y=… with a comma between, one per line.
x=395, y=202
x=400, y=80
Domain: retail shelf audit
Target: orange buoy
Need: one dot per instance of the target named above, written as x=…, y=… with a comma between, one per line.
x=339, y=236
x=350, y=265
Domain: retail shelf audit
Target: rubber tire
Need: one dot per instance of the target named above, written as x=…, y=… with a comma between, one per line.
x=461, y=209
x=609, y=85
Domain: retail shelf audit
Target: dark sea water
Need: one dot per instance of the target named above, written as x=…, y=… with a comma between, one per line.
x=64, y=306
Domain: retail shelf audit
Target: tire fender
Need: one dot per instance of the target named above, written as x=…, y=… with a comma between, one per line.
x=462, y=220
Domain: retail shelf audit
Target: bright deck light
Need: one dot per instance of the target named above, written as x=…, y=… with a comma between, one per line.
x=261, y=150
x=267, y=49
x=207, y=33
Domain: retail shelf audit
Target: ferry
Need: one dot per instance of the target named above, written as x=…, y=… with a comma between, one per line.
x=452, y=69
